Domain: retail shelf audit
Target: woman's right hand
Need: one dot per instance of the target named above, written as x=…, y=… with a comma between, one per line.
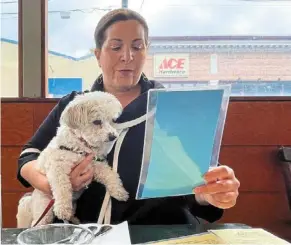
x=36, y=179
x=82, y=175
x=78, y=177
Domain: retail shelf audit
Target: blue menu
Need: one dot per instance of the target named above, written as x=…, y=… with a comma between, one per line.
x=183, y=133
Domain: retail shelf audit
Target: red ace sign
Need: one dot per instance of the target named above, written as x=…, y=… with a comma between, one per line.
x=171, y=65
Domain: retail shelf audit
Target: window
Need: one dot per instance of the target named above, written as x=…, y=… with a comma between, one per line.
x=71, y=61
x=193, y=42
x=9, y=48
x=220, y=41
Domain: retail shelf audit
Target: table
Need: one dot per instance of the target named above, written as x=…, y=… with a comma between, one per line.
x=142, y=234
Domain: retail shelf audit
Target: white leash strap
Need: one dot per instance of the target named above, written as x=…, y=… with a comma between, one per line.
x=105, y=212
x=103, y=208
x=136, y=121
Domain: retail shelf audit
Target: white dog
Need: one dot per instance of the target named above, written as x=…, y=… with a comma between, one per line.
x=86, y=126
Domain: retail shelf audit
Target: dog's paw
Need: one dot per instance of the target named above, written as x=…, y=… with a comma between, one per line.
x=120, y=194
x=63, y=212
x=75, y=220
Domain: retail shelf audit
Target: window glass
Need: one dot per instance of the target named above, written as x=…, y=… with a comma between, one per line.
x=9, y=48
x=71, y=61
x=193, y=42
x=243, y=43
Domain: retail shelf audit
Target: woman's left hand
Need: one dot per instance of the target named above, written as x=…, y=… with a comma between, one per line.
x=221, y=188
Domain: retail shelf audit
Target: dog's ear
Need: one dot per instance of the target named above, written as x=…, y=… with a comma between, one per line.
x=74, y=115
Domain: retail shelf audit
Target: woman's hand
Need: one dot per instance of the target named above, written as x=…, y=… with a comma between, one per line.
x=82, y=175
x=36, y=179
x=221, y=188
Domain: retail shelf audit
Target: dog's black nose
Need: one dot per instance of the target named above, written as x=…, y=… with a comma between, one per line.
x=111, y=137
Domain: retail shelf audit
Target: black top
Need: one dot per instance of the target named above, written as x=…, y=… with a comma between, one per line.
x=170, y=210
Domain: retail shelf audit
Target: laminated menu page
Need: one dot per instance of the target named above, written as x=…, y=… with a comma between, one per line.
x=183, y=135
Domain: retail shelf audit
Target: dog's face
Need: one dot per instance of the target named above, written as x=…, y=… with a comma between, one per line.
x=91, y=116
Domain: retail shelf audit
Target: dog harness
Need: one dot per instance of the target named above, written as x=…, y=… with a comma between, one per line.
x=83, y=153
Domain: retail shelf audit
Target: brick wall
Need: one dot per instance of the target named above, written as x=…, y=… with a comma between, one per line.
x=234, y=66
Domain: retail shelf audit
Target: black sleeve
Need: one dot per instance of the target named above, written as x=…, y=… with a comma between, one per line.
x=207, y=212
x=42, y=136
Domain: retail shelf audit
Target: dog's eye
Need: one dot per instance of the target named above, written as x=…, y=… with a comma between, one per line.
x=97, y=122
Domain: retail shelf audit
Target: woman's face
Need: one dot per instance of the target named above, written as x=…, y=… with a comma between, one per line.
x=122, y=55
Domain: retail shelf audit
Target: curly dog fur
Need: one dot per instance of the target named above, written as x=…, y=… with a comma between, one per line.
x=86, y=126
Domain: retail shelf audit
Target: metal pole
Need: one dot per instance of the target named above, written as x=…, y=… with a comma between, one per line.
x=124, y=3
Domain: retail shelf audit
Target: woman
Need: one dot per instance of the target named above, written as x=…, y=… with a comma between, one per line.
x=121, y=39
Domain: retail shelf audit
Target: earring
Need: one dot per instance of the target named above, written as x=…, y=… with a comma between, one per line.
x=144, y=78
x=100, y=79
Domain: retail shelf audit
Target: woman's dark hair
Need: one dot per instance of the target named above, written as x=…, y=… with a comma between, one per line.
x=115, y=16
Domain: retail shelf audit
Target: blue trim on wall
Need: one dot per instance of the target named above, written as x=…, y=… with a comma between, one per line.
x=52, y=52
x=61, y=86
x=70, y=57
x=8, y=41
